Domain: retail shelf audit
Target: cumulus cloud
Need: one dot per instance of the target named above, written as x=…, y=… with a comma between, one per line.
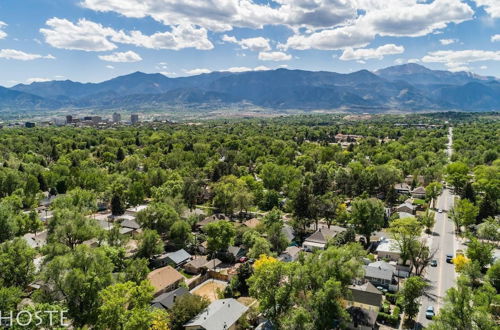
x=495, y=38
x=197, y=71
x=492, y=7
x=13, y=54
x=458, y=60
x=258, y=44
x=446, y=42
x=396, y=18
x=110, y=67
x=90, y=36
x=350, y=54
x=219, y=16
x=274, y=56
x=3, y=34
x=122, y=57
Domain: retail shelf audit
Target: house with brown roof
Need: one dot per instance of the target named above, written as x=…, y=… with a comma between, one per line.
x=364, y=303
x=200, y=263
x=210, y=219
x=165, y=279
x=252, y=223
x=402, y=188
x=418, y=192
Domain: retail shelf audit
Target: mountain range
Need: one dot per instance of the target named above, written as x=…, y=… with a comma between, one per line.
x=408, y=87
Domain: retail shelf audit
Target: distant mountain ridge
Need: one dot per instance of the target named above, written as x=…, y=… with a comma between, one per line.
x=402, y=87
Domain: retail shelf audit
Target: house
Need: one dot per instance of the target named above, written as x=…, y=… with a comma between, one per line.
x=104, y=224
x=418, y=192
x=402, y=188
x=167, y=300
x=200, y=263
x=380, y=273
x=363, y=304
x=165, y=279
x=289, y=233
x=403, y=215
x=319, y=239
x=219, y=315
x=290, y=254
x=252, y=223
x=236, y=251
x=210, y=219
x=177, y=258
x=37, y=240
x=129, y=226
x=406, y=207
x=387, y=249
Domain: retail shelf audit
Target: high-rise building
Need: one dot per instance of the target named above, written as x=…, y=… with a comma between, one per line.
x=134, y=118
x=117, y=117
x=69, y=119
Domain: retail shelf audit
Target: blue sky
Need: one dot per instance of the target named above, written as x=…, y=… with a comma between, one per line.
x=95, y=40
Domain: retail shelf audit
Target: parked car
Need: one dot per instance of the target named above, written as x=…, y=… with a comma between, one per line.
x=449, y=258
x=434, y=263
x=440, y=210
x=429, y=312
x=243, y=259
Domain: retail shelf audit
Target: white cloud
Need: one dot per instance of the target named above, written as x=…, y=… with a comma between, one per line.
x=84, y=35
x=258, y=44
x=13, y=54
x=195, y=72
x=413, y=60
x=495, y=38
x=274, y=56
x=217, y=15
x=110, y=67
x=32, y=80
x=3, y=34
x=483, y=67
x=350, y=54
x=396, y=18
x=459, y=68
x=245, y=69
x=458, y=60
x=447, y=42
x=90, y=36
x=122, y=57
x=492, y=7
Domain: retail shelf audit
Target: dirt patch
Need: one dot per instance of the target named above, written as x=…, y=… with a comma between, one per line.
x=209, y=289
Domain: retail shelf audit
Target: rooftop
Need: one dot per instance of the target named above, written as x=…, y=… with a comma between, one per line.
x=163, y=277
x=220, y=314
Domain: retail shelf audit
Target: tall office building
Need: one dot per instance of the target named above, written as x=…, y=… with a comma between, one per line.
x=69, y=119
x=134, y=118
x=117, y=117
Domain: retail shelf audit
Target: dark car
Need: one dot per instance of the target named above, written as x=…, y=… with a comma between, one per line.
x=434, y=263
x=449, y=258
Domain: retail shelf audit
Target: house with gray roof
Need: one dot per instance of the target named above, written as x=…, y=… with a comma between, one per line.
x=406, y=207
x=167, y=300
x=178, y=258
x=380, y=273
x=289, y=233
x=221, y=314
x=320, y=237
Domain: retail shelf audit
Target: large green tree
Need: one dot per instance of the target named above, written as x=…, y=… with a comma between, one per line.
x=367, y=216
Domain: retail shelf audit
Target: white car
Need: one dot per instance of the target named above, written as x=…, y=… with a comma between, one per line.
x=440, y=211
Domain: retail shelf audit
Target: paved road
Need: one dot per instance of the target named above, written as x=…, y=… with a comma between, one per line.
x=443, y=241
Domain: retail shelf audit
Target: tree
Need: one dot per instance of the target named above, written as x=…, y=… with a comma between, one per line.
x=367, y=216
x=117, y=204
x=150, y=243
x=185, y=308
x=271, y=285
x=330, y=207
x=180, y=233
x=243, y=200
x=413, y=289
x=303, y=207
x=327, y=305
x=78, y=277
x=158, y=216
x=493, y=275
x=16, y=263
x=457, y=175
x=464, y=213
x=460, y=262
x=405, y=233
x=276, y=237
x=432, y=191
x=260, y=247
x=420, y=256
x=123, y=304
x=220, y=235
x=462, y=310
x=480, y=252
x=10, y=297
x=428, y=219
x=136, y=193
x=72, y=228
x=190, y=192
x=489, y=229
x=136, y=270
